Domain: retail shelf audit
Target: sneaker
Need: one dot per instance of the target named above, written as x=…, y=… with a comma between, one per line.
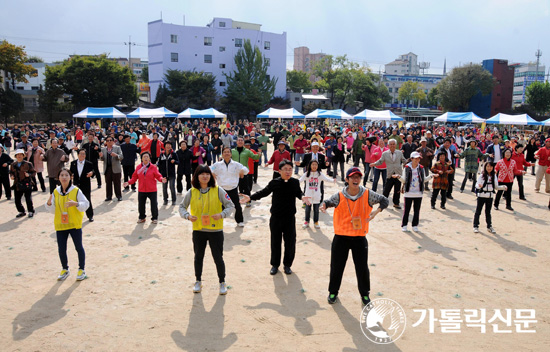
x=81, y=275
x=496, y=207
x=91, y=219
x=450, y=197
x=165, y=202
x=31, y=214
x=537, y=190
x=415, y=228
x=141, y=221
x=397, y=206
x=223, y=289
x=404, y=229
x=522, y=198
x=332, y=298
x=476, y=229
x=305, y=225
x=365, y=300
x=317, y=226
x=154, y=221
x=63, y=275
x=20, y=215
x=248, y=205
x=491, y=230
x=198, y=287
x=241, y=224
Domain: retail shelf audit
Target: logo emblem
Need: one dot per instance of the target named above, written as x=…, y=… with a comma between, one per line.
x=383, y=321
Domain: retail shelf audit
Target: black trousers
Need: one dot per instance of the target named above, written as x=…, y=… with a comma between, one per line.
x=409, y=203
x=468, y=176
x=507, y=194
x=62, y=238
x=350, y=155
x=41, y=180
x=5, y=183
x=179, y=183
x=97, y=174
x=87, y=193
x=359, y=157
x=341, y=245
x=215, y=239
x=112, y=180
x=142, y=199
x=256, y=172
x=335, y=169
x=282, y=229
x=234, y=195
x=53, y=183
x=128, y=171
x=451, y=178
x=520, y=186
x=487, y=203
x=243, y=185
x=28, y=200
x=250, y=181
x=435, y=192
x=392, y=182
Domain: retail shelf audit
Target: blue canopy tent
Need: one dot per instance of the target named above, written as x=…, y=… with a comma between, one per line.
x=201, y=114
x=374, y=115
x=459, y=117
x=151, y=113
x=273, y=113
x=522, y=120
x=337, y=114
x=100, y=113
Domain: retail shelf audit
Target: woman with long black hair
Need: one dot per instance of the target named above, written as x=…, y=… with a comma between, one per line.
x=530, y=150
x=486, y=184
x=209, y=204
x=506, y=170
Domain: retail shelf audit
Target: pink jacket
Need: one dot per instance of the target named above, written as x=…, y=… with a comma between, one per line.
x=376, y=154
x=38, y=163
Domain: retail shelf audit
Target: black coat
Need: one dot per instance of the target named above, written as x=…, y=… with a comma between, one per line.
x=129, y=152
x=320, y=157
x=5, y=159
x=82, y=181
x=184, y=158
x=167, y=168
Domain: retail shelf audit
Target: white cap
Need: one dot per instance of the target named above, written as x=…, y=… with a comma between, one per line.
x=314, y=143
x=415, y=155
x=19, y=151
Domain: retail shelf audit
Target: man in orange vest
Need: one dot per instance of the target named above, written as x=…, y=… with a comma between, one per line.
x=352, y=214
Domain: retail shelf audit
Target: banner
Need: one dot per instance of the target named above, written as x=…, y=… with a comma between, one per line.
x=483, y=125
x=400, y=124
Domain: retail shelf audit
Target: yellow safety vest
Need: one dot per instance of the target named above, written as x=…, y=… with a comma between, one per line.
x=74, y=215
x=206, y=204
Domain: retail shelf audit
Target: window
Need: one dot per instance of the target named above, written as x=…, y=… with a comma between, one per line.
x=174, y=57
x=222, y=84
x=267, y=45
x=207, y=41
x=222, y=24
x=20, y=88
x=173, y=38
x=207, y=59
x=297, y=99
x=390, y=90
x=222, y=65
x=238, y=42
x=34, y=88
x=268, y=62
x=396, y=89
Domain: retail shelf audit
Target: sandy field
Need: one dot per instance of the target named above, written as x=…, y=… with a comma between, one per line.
x=138, y=295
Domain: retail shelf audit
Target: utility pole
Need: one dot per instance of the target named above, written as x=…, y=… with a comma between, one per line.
x=538, y=54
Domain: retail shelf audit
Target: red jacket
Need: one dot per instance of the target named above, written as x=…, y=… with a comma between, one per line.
x=277, y=157
x=520, y=161
x=301, y=145
x=251, y=163
x=544, y=154
x=506, y=170
x=148, y=182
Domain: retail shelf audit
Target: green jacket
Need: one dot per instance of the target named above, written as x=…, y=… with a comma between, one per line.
x=243, y=156
x=357, y=147
x=472, y=156
x=291, y=139
x=263, y=139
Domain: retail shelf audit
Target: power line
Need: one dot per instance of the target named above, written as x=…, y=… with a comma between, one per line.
x=67, y=41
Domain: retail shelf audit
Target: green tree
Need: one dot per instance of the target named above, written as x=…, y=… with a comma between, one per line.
x=11, y=103
x=187, y=89
x=298, y=81
x=538, y=97
x=92, y=81
x=34, y=59
x=13, y=62
x=456, y=90
x=314, y=106
x=249, y=89
x=433, y=97
x=145, y=74
x=412, y=92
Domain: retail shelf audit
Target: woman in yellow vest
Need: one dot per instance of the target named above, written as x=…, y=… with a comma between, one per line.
x=69, y=204
x=209, y=204
x=352, y=215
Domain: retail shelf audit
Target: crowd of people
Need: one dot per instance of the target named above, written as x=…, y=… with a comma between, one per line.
x=220, y=161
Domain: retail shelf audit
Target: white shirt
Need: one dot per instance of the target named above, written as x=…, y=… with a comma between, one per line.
x=80, y=166
x=496, y=149
x=227, y=175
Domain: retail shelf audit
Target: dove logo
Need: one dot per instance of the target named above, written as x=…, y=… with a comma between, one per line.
x=383, y=321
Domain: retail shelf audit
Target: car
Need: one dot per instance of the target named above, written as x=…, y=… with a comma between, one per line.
x=465, y=127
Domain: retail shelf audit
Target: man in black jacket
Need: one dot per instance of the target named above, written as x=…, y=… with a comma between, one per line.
x=130, y=152
x=82, y=171
x=167, y=168
x=184, y=167
x=5, y=162
x=321, y=159
x=92, y=155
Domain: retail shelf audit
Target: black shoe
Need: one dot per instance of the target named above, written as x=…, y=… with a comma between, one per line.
x=510, y=208
x=173, y=202
x=433, y=206
x=44, y=190
x=343, y=180
x=98, y=186
x=119, y=199
x=288, y=271
x=365, y=300
x=133, y=189
x=108, y=199
x=450, y=197
x=427, y=189
x=165, y=202
x=31, y=214
x=20, y=215
x=91, y=219
x=397, y=206
x=443, y=207
x=273, y=270
x=332, y=298
x=496, y=207
x=522, y=198
x=461, y=191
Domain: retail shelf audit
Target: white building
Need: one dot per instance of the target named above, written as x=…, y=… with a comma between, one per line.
x=525, y=75
x=211, y=49
x=393, y=82
x=406, y=64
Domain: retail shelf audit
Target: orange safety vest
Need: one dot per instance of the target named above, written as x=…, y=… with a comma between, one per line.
x=347, y=209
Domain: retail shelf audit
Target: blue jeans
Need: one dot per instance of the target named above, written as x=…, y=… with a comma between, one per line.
x=377, y=173
x=298, y=157
x=315, y=212
x=264, y=153
x=62, y=238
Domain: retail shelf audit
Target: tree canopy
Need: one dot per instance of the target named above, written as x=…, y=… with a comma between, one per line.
x=298, y=81
x=249, y=88
x=412, y=92
x=456, y=90
x=13, y=61
x=538, y=97
x=187, y=89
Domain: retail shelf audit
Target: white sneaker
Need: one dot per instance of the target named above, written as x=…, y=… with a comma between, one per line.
x=491, y=230
x=415, y=228
x=81, y=275
x=223, y=289
x=64, y=274
x=317, y=226
x=198, y=287
x=404, y=229
x=476, y=229
x=305, y=225
x=241, y=224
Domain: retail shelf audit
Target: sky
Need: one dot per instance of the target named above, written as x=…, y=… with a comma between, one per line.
x=371, y=33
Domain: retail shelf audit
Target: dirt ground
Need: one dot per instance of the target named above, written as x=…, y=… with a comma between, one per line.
x=138, y=295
